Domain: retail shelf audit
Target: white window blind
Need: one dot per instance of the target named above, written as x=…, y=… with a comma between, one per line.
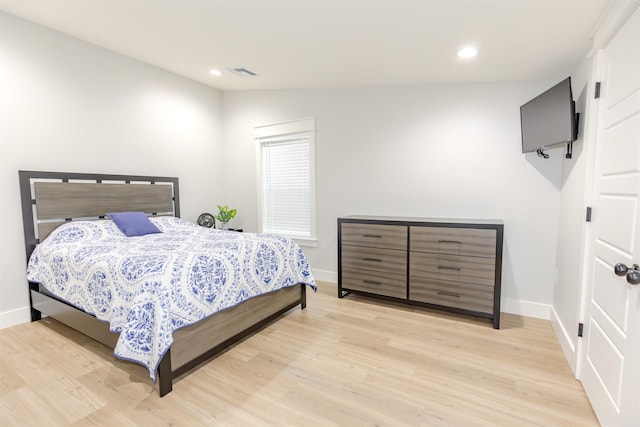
x=287, y=184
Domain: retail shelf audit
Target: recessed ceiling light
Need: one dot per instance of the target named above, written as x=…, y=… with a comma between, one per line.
x=215, y=72
x=467, y=52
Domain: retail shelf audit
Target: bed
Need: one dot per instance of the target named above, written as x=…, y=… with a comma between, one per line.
x=59, y=205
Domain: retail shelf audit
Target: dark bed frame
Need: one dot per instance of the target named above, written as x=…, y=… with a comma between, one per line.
x=50, y=199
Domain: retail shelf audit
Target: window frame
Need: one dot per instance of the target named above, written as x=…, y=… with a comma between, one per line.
x=269, y=133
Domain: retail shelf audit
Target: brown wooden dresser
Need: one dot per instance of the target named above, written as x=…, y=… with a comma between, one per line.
x=449, y=264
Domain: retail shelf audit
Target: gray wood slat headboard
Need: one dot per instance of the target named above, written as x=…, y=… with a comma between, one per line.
x=53, y=198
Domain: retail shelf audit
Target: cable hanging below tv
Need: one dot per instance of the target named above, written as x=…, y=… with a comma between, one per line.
x=550, y=120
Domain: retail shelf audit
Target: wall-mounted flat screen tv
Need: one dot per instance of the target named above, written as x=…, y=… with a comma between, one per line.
x=549, y=119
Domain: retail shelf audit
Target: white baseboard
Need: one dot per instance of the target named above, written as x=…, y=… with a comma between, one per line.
x=15, y=317
x=326, y=276
x=526, y=308
x=565, y=340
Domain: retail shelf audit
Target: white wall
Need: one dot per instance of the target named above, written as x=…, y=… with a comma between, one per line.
x=70, y=106
x=428, y=151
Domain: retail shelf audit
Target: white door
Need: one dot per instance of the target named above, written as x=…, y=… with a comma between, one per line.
x=610, y=356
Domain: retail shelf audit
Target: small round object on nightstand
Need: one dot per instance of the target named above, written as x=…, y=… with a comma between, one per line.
x=206, y=220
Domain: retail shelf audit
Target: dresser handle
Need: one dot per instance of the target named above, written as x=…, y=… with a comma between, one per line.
x=444, y=267
x=372, y=235
x=372, y=259
x=371, y=282
x=449, y=294
x=450, y=241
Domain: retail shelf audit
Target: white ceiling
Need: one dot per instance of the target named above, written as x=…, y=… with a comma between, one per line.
x=332, y=43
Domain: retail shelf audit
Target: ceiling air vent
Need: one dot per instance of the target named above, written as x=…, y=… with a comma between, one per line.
x=242, y=72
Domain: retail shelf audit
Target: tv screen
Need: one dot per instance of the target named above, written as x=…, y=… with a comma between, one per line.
x=549, y=119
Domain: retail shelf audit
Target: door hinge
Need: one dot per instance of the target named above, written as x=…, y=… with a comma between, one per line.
x=597, y=94
x=580, y=329
x=588, y=214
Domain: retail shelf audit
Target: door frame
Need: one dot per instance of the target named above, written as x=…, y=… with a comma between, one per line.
x=614, y=19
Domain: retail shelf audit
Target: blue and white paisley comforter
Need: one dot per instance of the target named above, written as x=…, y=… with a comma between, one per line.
x=147, y=287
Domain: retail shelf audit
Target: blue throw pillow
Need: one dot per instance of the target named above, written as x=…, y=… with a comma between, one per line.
x=133, y=223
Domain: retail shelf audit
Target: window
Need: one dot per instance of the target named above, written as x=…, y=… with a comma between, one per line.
x=287, y=179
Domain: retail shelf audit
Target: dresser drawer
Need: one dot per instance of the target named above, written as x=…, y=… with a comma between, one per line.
x=375, y=282
x=385, y=260
x=477, y=298
x=458, y=241
x=375, y=235
x=456, y=268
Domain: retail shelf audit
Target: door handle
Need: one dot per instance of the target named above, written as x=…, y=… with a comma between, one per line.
x=632, y=273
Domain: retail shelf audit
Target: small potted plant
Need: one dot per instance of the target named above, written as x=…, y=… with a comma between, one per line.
x=225, y=215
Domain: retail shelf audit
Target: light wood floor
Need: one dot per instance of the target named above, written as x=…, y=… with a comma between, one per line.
x=348, y=362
